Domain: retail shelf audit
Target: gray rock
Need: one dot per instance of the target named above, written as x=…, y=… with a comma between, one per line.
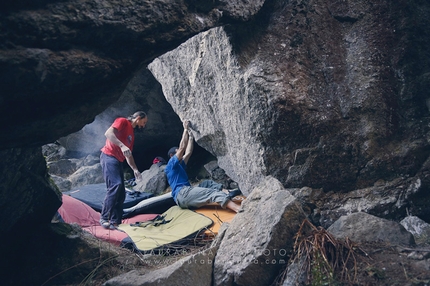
x=362, y=227
x=384, y=199
x=258, y=242
x=216, y=125
x=195, y=269
x=63, y=184
x=87, y=175
x=218, y=174
x=62, y=167
x=154, y=180
x=72, y=172
x=419, y=229
x=53, y=152
x=296, y=273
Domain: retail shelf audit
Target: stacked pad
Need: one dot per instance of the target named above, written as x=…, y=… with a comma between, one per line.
x=174, y=226
x=158, y=204
x=75, y=211
x=94, y=194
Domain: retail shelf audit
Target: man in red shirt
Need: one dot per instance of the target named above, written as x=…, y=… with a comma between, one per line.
x=118, y=147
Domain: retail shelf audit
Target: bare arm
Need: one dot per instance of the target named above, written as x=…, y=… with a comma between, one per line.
x=190, y=147
x=184, y=142
x=111, y=135
x=132, y=164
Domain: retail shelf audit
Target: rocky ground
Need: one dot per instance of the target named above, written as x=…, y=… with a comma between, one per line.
x=391, y=265
x=105, y=261
x=84, y=260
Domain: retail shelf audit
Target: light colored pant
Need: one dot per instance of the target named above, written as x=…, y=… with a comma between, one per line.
x=206, y=192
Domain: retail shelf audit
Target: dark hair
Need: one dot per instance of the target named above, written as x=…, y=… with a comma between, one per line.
x=136, y=114
x=172, y=151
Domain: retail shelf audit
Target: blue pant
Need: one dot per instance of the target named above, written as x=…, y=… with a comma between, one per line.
x=206, y=192
x=113, y=174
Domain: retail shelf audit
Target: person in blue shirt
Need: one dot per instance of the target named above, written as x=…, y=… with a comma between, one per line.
x=185, y=195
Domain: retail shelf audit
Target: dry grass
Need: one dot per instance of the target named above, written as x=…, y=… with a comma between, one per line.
x=323, y=259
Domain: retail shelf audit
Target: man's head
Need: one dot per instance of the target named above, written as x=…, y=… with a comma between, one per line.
x=172, y=151
x=138, y=119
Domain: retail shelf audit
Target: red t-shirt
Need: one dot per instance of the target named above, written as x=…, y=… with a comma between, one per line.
x=125, y=134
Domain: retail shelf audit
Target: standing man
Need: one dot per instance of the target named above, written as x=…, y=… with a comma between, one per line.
x=118, y=147
x=183, y=193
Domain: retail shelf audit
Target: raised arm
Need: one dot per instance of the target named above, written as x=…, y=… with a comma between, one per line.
x=184, y=142
x=190, y=147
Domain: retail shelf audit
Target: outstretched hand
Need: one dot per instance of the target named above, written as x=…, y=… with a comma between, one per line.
x=186, y=124
x=137, y=175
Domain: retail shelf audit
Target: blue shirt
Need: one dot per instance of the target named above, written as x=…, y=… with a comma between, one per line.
x=176, y=175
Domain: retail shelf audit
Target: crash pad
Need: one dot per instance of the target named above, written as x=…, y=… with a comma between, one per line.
x=175, y=227
x=74, y=211
x=94, y=194
x=156, y=204
x=218, y=215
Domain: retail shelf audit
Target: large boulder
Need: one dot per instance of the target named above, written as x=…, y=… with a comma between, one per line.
x=259, y=241
x=326, y=110
x=193, y=69
x=363, y=227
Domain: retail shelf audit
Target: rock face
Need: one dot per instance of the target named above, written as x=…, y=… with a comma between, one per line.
x=315, y=97
x=154, y=180
x=28, y=195
x=328, y=97
x=205, y=70
x=72, y=59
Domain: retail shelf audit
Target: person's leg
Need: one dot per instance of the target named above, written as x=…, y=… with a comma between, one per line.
x=214, y=185
x=117, y=211
x=195, y=197
x=209, y=184
x=233, y=206
x=111, y=171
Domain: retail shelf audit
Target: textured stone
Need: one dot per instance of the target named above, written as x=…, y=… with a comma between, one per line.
x=307, y=110
x=28, y=196
x=203, y=82
x=419, y=229
x=154, y=180
x=362, y=227
x=74, y=58
x=259, y=241
x=195, y=269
